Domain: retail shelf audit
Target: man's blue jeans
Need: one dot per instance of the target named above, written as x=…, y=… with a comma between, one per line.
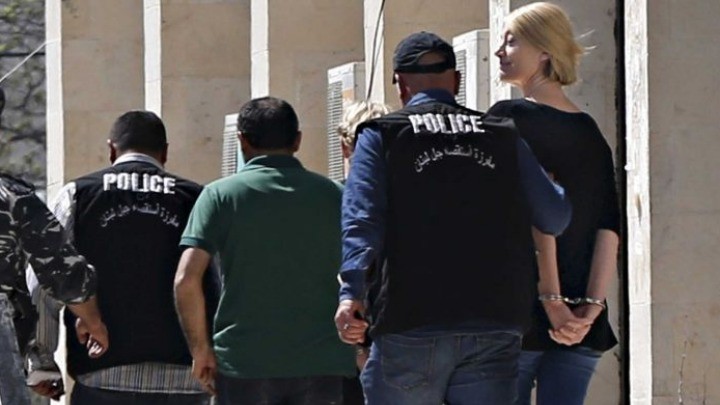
x=562, y=376
x=429, y=368
x=12, y=376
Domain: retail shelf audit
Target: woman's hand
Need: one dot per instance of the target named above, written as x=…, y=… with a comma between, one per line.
x=567, y=328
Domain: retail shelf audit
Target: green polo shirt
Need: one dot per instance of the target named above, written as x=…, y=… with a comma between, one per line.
x=276, y=228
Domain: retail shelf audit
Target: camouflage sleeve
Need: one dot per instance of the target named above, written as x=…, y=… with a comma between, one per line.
x=9, y=256
x=59, y=268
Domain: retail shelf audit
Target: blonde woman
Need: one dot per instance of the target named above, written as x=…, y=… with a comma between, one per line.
x=540, y=56
x=355, y=114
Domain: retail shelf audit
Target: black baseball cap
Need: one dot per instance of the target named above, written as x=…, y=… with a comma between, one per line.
x=412, y=48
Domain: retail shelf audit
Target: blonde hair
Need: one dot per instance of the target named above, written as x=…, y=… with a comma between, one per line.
x=355, y=114
x=547, y=27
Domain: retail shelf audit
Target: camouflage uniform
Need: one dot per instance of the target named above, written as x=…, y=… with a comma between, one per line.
x=30, y=234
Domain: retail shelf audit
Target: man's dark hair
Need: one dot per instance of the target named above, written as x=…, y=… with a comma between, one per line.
x=268, y=123
x=141, y=131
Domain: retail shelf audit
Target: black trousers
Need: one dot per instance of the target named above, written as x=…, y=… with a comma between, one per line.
x=325, y=390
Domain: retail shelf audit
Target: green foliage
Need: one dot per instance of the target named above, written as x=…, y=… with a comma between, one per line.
x=22, y=133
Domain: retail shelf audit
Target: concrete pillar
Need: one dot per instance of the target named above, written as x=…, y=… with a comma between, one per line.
x=593, y=23
x=294, y=43
x=94, y=74
x=399, y=19
x=672, y=128
x=196, y=71
x=638, y=204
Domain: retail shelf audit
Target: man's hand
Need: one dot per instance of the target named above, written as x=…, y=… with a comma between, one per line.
x=351, y=328
x=50, y=389
x=204, y=368
x=567, y=328
x=94, y=336
x=90, y=329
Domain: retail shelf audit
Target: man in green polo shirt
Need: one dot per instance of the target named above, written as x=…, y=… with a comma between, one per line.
x=276, y=228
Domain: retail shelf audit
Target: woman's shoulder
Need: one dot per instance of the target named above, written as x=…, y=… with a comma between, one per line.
x=519, y=108
x=504, y=108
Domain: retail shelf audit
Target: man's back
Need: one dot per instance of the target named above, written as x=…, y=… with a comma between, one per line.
x=128, y=219
x=276, y=227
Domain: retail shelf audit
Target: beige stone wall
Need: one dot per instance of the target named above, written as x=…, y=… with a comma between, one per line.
x=203, y=74
x=684, y=145
x=95, y=73
x=294, y=43
x=446, y=18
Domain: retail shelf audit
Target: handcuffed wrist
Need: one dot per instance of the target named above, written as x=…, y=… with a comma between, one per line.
x=573, y=301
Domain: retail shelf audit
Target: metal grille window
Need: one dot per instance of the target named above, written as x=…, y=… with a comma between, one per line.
x=461, y=63
x=334, y=115
x=229, y=164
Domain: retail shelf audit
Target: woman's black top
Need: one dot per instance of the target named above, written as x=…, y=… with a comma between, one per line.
x=572, y=148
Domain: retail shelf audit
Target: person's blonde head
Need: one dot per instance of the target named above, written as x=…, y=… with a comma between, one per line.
x=547, y=27
x=355, y=114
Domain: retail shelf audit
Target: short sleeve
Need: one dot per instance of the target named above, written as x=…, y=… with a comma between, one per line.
x=205, y=229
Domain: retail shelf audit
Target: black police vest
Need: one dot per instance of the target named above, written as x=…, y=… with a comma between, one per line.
x=128, y=222
x=458, y=245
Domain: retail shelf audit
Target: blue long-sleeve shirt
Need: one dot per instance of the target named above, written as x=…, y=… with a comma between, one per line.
x=365, y=201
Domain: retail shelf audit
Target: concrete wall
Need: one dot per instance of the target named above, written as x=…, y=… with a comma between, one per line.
x=446, y=18
x=197, y=69
x=637, y=172
x=684, y=185
x=95, y=73
x=294, y=43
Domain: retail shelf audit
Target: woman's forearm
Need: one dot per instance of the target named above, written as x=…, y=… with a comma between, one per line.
x=546, y=255
x=604, y=264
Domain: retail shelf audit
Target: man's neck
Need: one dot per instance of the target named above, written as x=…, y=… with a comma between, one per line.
x=267, y=152
x=129, y=153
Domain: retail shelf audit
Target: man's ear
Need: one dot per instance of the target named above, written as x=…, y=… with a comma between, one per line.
x=164, y=155
x=298, y=140
x=113, y=151
x=402, y=89
x=544, y=57
x=458, y=78
x=244, y=144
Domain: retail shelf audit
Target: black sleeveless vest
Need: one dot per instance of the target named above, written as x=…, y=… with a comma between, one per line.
x=458, y=246
x=128, y=222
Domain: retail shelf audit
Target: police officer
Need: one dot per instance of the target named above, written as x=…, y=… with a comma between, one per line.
x=31, y=235
x=440, y=201
x=127, y=220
